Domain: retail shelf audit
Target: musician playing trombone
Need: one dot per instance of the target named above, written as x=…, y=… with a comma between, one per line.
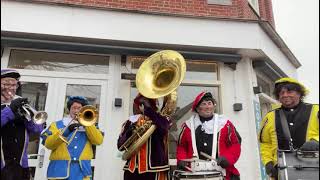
x=71, y=144
x=300, y=118
x=151, y=160
x=206, y=130
x=15, y=129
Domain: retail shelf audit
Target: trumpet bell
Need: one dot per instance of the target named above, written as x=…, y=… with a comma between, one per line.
x=160, y=74
x=88, y=115
x=40, y=117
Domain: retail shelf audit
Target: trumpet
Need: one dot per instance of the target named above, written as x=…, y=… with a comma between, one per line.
x=38, y=117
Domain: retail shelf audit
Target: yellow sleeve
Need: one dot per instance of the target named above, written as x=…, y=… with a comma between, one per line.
x=268, y=140
x=95, y=136
x=313, y=126
x=52, y=137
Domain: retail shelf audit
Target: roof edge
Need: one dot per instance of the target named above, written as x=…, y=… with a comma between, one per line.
x=276, y=38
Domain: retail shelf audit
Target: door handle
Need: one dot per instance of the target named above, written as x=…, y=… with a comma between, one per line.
x=40, y=155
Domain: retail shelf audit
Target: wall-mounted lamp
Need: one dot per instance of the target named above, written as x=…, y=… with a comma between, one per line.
x=128, y=76
x=117, y=102
x=257, y=89
x=237, y=106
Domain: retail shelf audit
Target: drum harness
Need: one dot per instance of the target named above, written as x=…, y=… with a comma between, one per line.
x=287, y=134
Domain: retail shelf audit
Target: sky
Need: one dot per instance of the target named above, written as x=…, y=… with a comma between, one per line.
x=297, y=22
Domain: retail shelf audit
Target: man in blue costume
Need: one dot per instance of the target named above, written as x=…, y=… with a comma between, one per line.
x=71, y=150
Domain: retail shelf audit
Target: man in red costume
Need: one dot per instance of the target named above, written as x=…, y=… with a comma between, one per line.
x=198, y=133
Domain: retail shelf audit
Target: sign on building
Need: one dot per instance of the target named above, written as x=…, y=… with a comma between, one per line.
x=257, y=113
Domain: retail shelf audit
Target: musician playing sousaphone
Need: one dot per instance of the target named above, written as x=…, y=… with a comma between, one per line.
x=151, y=160
x=144, y=136
x=15, y=129
x=292, y=126
x=70, y=141
x=207, y=135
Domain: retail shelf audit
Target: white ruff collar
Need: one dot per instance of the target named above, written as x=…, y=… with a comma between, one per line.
x=207, y=126
x=134, y=118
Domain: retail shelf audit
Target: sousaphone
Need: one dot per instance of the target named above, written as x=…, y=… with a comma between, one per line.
x=158, y=76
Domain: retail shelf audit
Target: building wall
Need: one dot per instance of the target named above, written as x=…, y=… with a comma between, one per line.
x=238, y=88
x=126, y=26
x=113, y=25
x=238, y=9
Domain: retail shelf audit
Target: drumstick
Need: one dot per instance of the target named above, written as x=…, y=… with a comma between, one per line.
x=207, y=156
x=187, y=168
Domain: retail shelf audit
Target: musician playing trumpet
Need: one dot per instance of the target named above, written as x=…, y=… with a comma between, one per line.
x=71, y=144
x=15, y=129
x=151, y=160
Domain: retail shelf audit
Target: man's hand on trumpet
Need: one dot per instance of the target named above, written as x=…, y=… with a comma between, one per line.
x=74, y=126
x=16, y=106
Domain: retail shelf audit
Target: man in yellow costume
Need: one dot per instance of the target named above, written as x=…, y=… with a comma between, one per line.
x=302, y=119
x=72, y=160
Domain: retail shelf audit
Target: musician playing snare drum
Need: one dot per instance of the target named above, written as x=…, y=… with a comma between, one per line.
x=302, y=120
x=15, y=129
x=198, y=132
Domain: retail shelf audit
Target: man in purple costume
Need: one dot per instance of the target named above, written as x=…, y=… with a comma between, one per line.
x=151, y=161
x=15, y=129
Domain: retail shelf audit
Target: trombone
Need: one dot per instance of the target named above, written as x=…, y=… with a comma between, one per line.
x=87, y=116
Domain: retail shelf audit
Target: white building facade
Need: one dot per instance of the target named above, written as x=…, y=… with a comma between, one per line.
x=68, y=50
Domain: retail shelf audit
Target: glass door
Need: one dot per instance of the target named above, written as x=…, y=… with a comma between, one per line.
x=38, y=90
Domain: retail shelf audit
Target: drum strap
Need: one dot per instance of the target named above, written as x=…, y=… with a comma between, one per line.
x=285, y=128
x=193, y=138
x=215, y=138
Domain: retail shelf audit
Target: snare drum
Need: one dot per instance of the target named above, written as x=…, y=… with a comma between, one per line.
x=298, y=165
x=210, y=175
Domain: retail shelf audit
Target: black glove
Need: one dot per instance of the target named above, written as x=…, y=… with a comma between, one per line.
x=223, y=162
x=17, y=103
x=16, y=106
x=71, y=127
x=145, y=102
x=130, y=130
x=234, y=177
x=310, y=146
x=271, y=170
x=182, y=165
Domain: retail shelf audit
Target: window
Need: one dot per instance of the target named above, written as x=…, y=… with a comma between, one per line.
x=266, y=85
x=255, y=5
x=199, y=70
x=57, y=61
x=196, y=69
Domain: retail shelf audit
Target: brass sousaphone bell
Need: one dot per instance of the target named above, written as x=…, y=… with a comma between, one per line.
x=158, y=76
